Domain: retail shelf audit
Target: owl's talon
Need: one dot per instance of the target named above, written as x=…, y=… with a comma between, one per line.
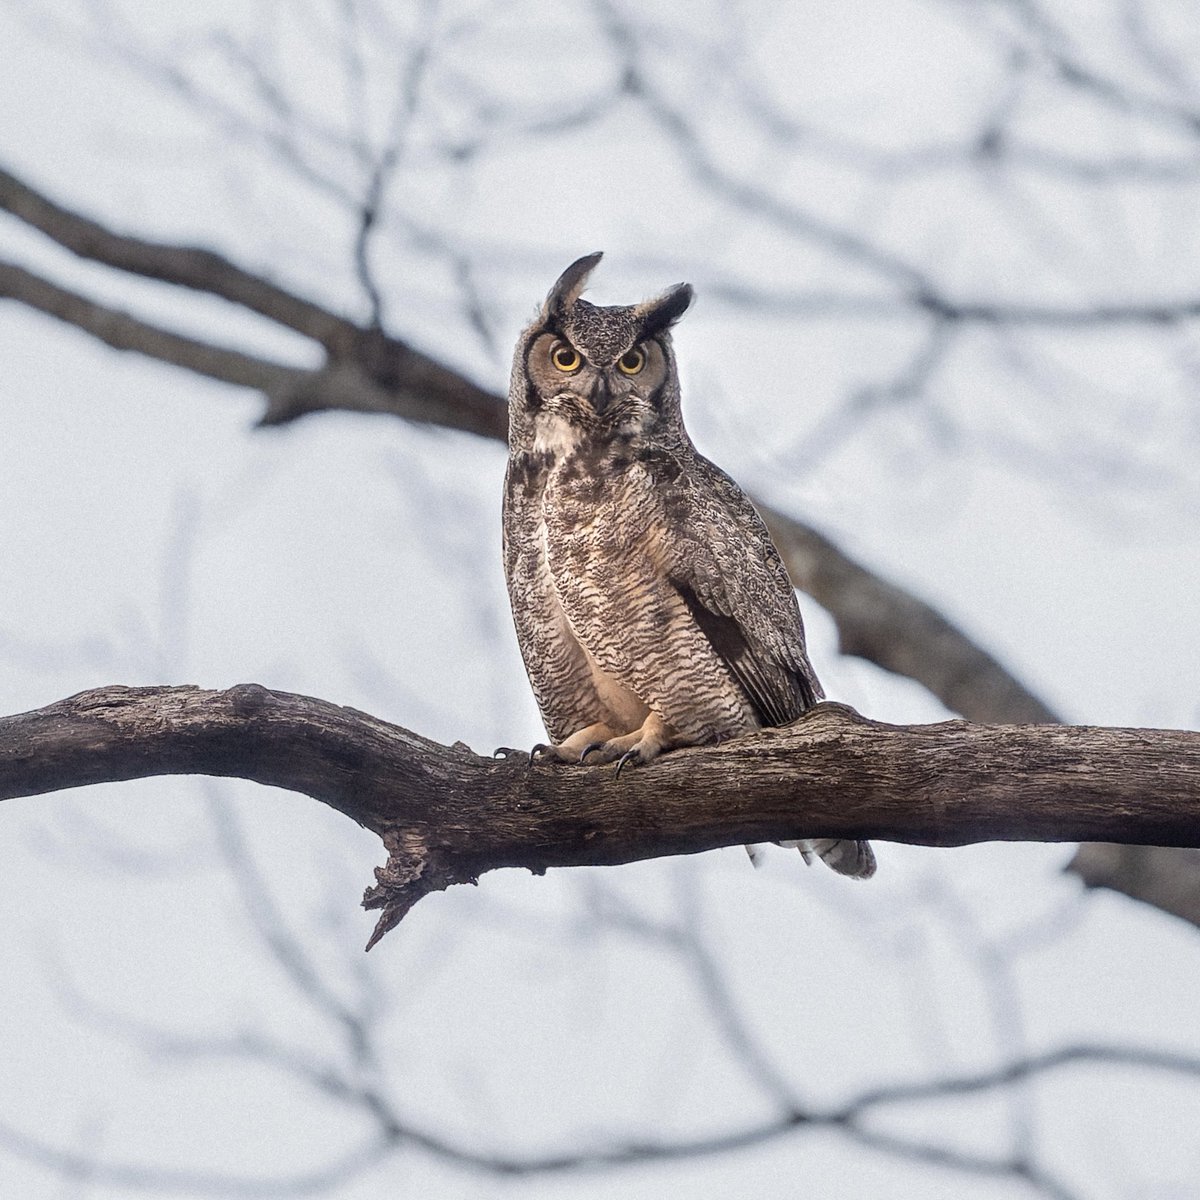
x=590, y=748
x=536, y=750
x=634, y=756
x=505, y=752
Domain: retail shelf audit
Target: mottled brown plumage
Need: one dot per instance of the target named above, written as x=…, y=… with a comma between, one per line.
x=651, y=607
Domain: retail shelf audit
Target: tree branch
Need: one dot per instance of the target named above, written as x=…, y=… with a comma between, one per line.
x=369, y=371
x=1165, y=877
x=851, y=1117
x=122, y=331
x=881, y=622
x=190, y=267
x=377, y=381
x=446, y=815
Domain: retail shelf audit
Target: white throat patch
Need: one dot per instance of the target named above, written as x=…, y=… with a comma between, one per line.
x=555, y=436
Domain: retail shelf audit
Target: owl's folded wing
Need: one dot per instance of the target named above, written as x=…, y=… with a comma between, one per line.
x=737, y=589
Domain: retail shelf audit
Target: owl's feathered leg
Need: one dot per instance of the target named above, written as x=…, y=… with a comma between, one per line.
x=574, y=748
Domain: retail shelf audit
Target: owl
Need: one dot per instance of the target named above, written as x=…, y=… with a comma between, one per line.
x=651, y=607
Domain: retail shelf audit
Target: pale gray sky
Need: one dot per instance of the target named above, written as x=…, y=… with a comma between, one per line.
x=149, y=534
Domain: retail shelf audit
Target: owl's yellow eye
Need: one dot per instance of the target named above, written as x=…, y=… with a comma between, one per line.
x=631, y=362
x=565, y=358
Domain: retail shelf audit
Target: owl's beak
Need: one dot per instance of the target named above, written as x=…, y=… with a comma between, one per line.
x=600, y=395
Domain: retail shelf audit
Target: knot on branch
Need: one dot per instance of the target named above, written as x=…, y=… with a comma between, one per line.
x=828, y=719
x=248, y=699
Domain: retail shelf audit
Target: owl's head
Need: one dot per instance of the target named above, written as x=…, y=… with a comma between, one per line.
x=586, y=372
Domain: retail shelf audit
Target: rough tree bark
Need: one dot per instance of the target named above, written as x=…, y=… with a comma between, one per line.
x=446, y=815
x=366, y=370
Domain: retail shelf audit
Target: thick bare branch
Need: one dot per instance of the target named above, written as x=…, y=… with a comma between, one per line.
x=369, y=371
x=881, y=622
x=1167, y=877
x=123, y=331
x=186, y=266
x=290, y=392
x=446, y=815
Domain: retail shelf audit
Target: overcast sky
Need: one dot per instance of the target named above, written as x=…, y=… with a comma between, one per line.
x=151, y=534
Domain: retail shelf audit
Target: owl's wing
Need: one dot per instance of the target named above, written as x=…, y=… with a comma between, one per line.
x=725, y=566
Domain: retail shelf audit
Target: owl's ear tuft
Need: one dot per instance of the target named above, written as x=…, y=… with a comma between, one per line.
x=662, y=312
x=570, y=286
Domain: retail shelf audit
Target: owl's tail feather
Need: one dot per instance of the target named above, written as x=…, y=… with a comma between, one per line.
x=845, y=856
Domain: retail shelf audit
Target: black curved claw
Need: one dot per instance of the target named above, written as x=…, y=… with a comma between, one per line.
x=504, y=752
x=539, y=748
x=634, y=756
x=589, y=748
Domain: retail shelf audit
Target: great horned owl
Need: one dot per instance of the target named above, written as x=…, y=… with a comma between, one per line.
x=651, y=607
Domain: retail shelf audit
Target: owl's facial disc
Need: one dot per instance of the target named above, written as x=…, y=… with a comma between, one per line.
x=612, y=383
